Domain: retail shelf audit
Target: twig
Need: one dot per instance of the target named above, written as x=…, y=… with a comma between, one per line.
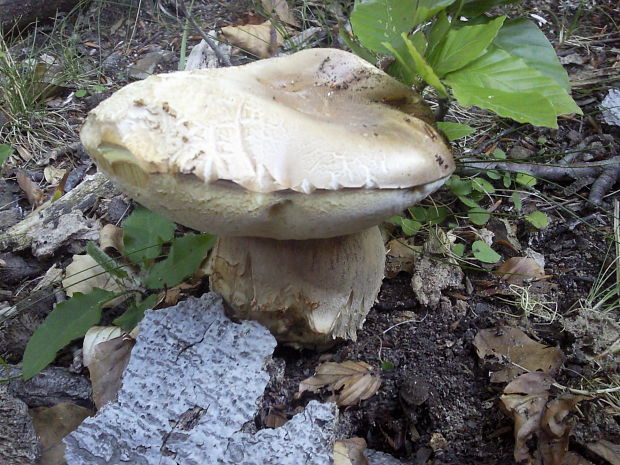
x=221, y=57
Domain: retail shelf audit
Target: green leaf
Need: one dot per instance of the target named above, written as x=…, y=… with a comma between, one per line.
x=68, y=321
x=458, y=186
x=143, y=234
x=105, y=261
x=482, y=185
x=537, y=219
x=522, y=38
x=356, y=47
x=134, y=314
x=478, y=216
x=387, y=366
x=499, y=154
x=415, y=64
x=436, y=215
x=80, y=93
x=378, y=21
x=506, y=85
x=525, y=179
x=469, y=202
x=493, y=174
x=462, y=46
x=418, y=213
x=437, y=33
x=454, y=131
x=458, y=249
x=516, y=200
x=5, y=152
x=484, y=253
x=410, y=227
x=186, y=255
x=507, y=180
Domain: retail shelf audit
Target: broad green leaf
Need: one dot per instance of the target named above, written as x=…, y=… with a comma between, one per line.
x=478, y=216
x=5, y=152
x=418, y=213
x=523, y=39
x=387, y=366
x=482, y=185
x=507, y=180
x=68, y=321
x=134, y=314
x=143, y=234
x=356, y=47
x=493, y=174
x=462, y=46
x=458, y=249
x=186, y=255
x=454, y=131
x=423, y=68
x=499, y=154
x=437, y=33
x=80, y=93
x=378, y=21
x=459, y=186
x=516, y=200
x=484, y=253
x=477, y=7
x=525, y=179
x=537, y=219
x=508, y=86
x=436, y=215
x=467, y=201
x=105, y=261
x=410, y=227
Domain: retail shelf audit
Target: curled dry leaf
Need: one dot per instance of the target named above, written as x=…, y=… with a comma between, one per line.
x=33, y=193
x=524, y=400
x=83, y=274
x=355, y=381
x=111, y=238
x=400, y=257
x=607, y=450
x=106, y=353
x=52, y=424
x=556, y=412
x=517, y=270
x=262, y=40
x=53, y=175
x=350, y=452
x=515, y=352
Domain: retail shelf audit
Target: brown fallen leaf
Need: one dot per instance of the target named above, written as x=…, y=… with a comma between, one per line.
x=52, y=424
x=350, y=452
x=84, y=273
x=557, y=411
x=524, y=400
x=53, y=175
x=107, y=361
x=261, y=40
x=33, y=193
x=518, y=270
x=515, y=352
x=400, y=257
x=355, y=381
x=607, y=450
x=275, y=418
x=281, y=10
x=111, y=239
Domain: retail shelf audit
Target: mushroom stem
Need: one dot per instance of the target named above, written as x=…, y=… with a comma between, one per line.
x=307, y=292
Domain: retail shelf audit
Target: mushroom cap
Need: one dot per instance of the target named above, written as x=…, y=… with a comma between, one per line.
x=316, y=144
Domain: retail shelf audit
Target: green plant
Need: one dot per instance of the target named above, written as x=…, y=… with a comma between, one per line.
x=138, y=275
x=5, y=152
x=504, y=65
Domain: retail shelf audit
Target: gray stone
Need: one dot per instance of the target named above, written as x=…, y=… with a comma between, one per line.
x=194, y=379
x=18, y=441
x=50, y=387
x=519, y=152
x=380, y=458
x=610, y=107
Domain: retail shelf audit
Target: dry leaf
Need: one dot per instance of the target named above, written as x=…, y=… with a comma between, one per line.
x=54, y=175
x=280, y=9
x=261, y=40
x=275, y=418
x=524, y=399
x=350, y=452
x=52, y=276
x=33, y=193
x=557, y=410
x=513, y=350
x=106, y=367
x=52, y=424
x=517, y=270
x=575, y=459
x=84, y=273
x=23, y=152
x=607, y=450
x=358, y=381
x=94, y=336
x=400, y=257
x=111, y=238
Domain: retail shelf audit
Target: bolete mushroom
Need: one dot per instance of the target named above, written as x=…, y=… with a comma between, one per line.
x=293, y=162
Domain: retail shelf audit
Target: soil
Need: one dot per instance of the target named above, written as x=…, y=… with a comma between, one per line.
x=436, y=403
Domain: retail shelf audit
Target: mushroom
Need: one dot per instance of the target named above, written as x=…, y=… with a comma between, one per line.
x=292, y=162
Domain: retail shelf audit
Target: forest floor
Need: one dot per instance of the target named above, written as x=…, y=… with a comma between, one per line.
x=437, y=403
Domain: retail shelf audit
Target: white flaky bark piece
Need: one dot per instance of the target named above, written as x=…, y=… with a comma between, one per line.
x=306, y=292
x=193, y=381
